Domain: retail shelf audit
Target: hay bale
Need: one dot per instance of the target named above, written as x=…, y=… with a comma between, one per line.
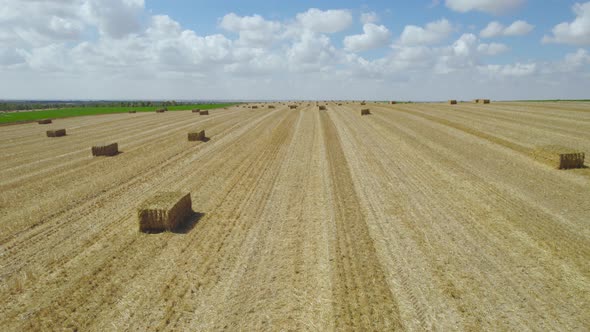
x=203, y=112
x=339, y=104
x=132, y=111
x=196, y=111
x=194, y=136
x=452, y=102
x=292, y=106
x=254, y=107
x=559, y=157
x=56, y=133
x=105, y=149
x=164, y=211
x=44, y=121
x=322, y=107
x=161, y=110
x=393, y=103
x=365, y=111
x=363, y=103
x=271, y=106
x=482, y=101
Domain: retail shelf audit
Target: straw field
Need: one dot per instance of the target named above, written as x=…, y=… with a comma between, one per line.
x=418, y=217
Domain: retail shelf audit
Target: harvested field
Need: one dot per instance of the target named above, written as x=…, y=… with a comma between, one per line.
x=419, y=217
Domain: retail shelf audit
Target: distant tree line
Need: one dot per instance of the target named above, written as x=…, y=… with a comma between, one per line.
x=35, y=105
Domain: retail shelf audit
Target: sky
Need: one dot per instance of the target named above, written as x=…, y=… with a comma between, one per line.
x=263, y=50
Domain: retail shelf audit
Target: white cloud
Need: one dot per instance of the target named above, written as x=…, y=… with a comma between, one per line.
x=517, y=28
x=433, y=33
x=492, y=48
x=510, y=70
x=311, y=52
x=114, y=18
x=369, y=17
x=254, y=30
x=374, y=36
x=486, y=6
x=329, y=21
x=573, y=33
x=54, y=49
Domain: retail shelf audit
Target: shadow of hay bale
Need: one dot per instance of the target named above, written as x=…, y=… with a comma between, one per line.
x=187, y=225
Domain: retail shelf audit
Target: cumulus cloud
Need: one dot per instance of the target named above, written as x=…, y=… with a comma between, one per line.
x=495, y=29
x=510, y=70
x=492, y=48
x=374, y=36
x=369, y=17
x=432, y=33
x=486, y=6
x=88, y=51
x=114, y=18
x=328, y=21
x=576, y=32
x=253, y=30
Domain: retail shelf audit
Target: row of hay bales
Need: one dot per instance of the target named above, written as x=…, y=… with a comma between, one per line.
x=477, y=101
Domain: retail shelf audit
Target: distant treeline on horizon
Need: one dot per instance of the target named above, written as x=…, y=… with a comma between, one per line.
x=18, y=105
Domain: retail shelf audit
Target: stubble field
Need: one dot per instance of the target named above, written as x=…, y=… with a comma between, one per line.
x=417, y=217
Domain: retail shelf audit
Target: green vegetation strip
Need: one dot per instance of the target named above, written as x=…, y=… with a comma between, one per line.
x=10, y=117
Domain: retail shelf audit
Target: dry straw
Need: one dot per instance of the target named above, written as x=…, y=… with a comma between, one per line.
x=292, y=106
x=365, y=111
x=204, y=112
x=322, y=107
x=452, y=102
x=160, y=110
x=164, y=211
x=132, y=111
x=105, y=149
x=559, y=157
x=44, y=121
x=56, y=133
x=196, y=136
x=196, y=111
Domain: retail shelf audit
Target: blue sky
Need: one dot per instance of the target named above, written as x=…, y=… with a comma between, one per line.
x=181, y=49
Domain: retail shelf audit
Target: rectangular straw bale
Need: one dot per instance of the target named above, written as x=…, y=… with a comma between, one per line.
x=164, y=211
x=393, y=103
x=322, y=107
x=254, y=107
x=363, y=103
x=44, y=121
x=196, y=111
x=292, y=106
x=452, y=102
x=365, y=111
x=559, y=157
x=105, y=149
x=56, y=133
x=132, y=111
x=196, y=136
x=203, y=112
x=160, y=110
x=271, y=106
